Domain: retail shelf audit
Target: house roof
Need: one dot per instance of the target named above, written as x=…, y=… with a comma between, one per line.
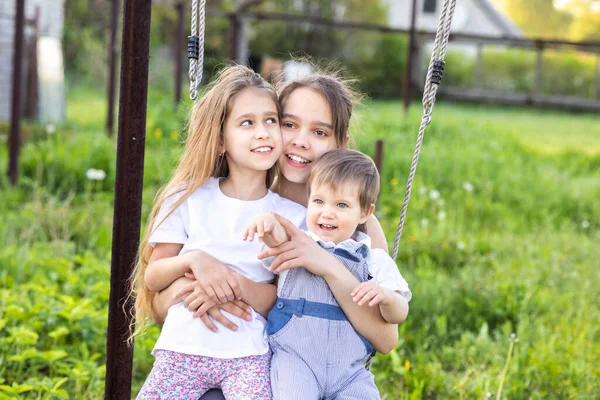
x=500, y=19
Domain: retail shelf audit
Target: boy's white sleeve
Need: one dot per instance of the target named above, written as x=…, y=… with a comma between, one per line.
x=385, y=272
x=171, y=229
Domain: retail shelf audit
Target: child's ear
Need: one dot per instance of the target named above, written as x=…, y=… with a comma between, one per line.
x=365, y=216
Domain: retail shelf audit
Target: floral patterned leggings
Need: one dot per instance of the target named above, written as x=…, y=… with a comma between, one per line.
x=185, y=376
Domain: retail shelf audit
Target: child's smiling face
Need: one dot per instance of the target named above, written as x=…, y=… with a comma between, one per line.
x=334, y=213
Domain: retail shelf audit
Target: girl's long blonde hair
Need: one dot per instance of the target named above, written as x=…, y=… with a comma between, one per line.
x=200, y=161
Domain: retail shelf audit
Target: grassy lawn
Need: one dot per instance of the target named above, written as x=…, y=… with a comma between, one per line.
x=500, y=249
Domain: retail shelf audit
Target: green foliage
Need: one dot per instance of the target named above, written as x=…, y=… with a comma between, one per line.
x=513, y=70
x=501, y=238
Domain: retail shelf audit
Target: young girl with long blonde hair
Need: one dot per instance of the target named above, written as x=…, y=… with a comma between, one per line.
x=221, y=182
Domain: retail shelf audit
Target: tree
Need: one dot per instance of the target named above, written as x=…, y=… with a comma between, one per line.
x=586, y=18
x=538, y=18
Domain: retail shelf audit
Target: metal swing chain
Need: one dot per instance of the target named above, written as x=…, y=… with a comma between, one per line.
x=196, y=47
x=434, y=76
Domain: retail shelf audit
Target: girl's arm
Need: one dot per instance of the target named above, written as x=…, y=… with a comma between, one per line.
x=302, y=251
x=165, y=266
x=260, y=296
x=375, y=232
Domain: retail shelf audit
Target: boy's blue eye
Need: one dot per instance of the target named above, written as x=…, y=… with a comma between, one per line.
x=318, y=201
x=342, y=205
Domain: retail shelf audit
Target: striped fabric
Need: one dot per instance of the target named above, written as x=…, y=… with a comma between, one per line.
x=316, y=352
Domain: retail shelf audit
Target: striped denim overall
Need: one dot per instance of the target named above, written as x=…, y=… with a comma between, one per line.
x=316, y=352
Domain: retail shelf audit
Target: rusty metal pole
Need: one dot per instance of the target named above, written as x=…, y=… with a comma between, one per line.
x=379, y=155
x=15, y=116
x=409, y=61
x=112, y=66
x=135, y=56
x=179, y=38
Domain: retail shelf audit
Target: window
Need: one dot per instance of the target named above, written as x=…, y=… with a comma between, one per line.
x=429, y=6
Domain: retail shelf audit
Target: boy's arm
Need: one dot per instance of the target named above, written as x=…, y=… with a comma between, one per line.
x=392, y=305
x=368, y=321
x=395, y=309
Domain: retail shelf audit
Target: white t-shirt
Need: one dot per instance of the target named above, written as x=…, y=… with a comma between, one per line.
x=381, y=267
x=210, y=221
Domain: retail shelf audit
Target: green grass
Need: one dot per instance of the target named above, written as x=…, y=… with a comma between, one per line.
x=500, y=239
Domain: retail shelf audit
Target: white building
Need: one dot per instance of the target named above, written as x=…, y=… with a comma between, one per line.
x=474, y=17
x=51, y=105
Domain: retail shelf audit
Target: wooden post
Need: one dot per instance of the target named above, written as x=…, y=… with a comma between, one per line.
x=112, y=66
x=32, y=81
x=409, y=61
x=478, y=66
x=379, y=155
x=15, y=116
x=233, y=36
x=178, y=50
x=539, y=67
x=135, y=55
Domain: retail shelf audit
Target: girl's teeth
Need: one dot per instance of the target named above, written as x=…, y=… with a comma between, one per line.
x=298, y=159
x=262, y=149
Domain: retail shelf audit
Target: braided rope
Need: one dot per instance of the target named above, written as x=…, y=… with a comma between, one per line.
x=438, y=53
x=196, y=66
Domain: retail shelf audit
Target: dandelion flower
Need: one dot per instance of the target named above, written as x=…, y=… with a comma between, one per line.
x=468, y=186
x=424, y=222
x=585, y=224
x=406, y=365
x=174, y=135
x=460, y=245
x=158, y=133
x=442, y=215
x=434, y=194
x=95, y=174
x=50, y=129
x=395, y=182
x=422, y=190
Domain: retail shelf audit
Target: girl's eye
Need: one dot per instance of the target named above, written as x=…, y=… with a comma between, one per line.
x=246, y=123
x=342, y=205
x=271, y=120
x=320, y=133
x=288, y=125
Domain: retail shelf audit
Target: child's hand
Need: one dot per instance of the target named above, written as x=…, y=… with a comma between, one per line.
x=194, y=297
x=264, y=223
x=369, y=292
x=214, y=277
x=269, y=230
x=236, y=307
